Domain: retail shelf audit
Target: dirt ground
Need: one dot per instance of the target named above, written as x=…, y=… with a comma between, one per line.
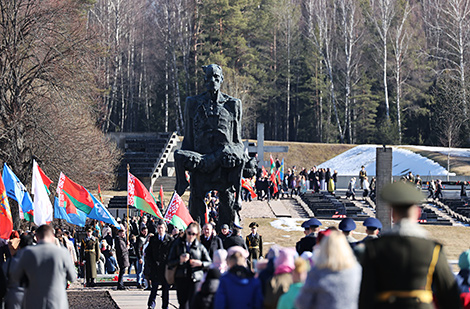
x=90, y=299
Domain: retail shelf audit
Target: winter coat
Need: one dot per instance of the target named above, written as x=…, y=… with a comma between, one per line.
x=204, y=299
x=122, y=253
x=213, y=244
x=325, y=288
x=196, y=252
x=463, y=281
x=156, y=255
x=238, y=289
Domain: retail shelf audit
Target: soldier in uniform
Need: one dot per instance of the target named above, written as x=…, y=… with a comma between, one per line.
x=373, y=227
x=90, y=253
x=311, y=226
x=254, y=242
x=403, y=268
x=347, y=226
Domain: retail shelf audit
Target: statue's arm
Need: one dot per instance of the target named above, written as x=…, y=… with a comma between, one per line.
x=188, y=141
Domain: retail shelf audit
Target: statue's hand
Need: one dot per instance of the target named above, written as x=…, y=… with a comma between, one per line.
x=193, y=161
x=232, y=156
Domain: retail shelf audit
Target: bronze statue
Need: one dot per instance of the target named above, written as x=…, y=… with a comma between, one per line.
x=212, y=150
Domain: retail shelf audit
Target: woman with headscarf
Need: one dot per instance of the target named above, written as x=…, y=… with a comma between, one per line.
x=282, y=278
x=334, y=281
x=463, y=279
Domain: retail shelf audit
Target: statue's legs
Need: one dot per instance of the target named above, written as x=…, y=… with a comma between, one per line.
x=227, y=213
x=197, y=206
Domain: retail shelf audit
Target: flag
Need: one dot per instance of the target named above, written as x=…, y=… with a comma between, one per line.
x=99, y=194
x=42, y=206
x=206, y=215
x=60, y=212
x=264, y=172
x=46, y=180
x=17, y=191
x=177, y=213
x=161, y=196
x=100, y=213
x=273, y=180
x=6, y=221
x=78, y=197
x=246, y=185
x=273, y=164
x=281, y=172
x=139, y=197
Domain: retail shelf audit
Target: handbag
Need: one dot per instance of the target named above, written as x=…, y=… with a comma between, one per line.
x=170, y=274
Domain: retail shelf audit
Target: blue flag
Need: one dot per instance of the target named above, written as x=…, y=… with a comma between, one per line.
x=16, y=190
x=61, y=213
x=281, y=172
x=100, y=213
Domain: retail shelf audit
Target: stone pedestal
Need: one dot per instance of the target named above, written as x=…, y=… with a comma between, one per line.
x=384, y=158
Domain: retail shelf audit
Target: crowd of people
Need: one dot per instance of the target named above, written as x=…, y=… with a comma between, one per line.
x=269, y=185
x=328, y=268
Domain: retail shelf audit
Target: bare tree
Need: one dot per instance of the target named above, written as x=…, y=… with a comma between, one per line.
x=321, y=16
x=382, y=14
x=351, y=32
x=451, y=38
x=400, y=42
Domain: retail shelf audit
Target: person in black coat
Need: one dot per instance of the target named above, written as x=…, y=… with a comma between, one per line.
x=156, y=256
x=235, y=240
x=204, y=299
x=122, y=255
x=311, y=226
x=209, y=240
x=190, y=258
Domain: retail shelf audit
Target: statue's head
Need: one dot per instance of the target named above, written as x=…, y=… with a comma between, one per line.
x=214, y=77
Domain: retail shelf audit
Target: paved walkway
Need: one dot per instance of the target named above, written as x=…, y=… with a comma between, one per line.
x=133, y=298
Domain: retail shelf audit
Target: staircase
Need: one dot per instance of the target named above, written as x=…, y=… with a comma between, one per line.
x=149, y=156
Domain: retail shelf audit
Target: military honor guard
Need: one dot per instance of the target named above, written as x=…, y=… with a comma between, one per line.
x=373, y=227
x=254, y=242
x=90, y=253
x=404, y=268
x=347, y=226
x=312, y=227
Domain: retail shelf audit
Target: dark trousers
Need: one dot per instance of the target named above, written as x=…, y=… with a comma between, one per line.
x=122, y=270
x=185, y=288
x=156, y=281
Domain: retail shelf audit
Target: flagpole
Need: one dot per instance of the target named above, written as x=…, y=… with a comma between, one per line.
x=127, y=229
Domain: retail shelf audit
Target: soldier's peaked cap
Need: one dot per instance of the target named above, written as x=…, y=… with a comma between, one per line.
x=372, y=223
x=347, y=225
x=253, y=224
x=311, y=222
x=401, y=194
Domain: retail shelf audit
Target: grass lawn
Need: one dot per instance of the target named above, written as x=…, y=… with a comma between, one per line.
x=454, y=238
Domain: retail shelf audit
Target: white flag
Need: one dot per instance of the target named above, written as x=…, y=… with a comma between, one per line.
x=42, y=205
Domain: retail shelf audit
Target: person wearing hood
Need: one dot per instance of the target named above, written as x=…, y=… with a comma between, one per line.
x=238, y=288
x=463, y=279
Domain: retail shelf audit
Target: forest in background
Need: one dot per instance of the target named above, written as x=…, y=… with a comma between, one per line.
x=330, y=71
x=334, y=71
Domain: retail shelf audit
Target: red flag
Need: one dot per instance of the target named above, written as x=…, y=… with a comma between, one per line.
x=264, y=172
x=139, y=197
x=46, y=180
x=6, y=221
x=273, y=180
x=99, y=194
x=161, y=196
x=273, y=165
x=206, y=216
x=177, y=213
x=246, y=185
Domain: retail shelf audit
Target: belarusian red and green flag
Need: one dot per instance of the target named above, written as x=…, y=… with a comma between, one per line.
x=273, y=164
x=139, y=197
x=177, y=213
x=74, y=195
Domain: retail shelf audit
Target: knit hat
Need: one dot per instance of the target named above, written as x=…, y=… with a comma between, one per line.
x=219, y=260
x=285, y=261
x=464, y=260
